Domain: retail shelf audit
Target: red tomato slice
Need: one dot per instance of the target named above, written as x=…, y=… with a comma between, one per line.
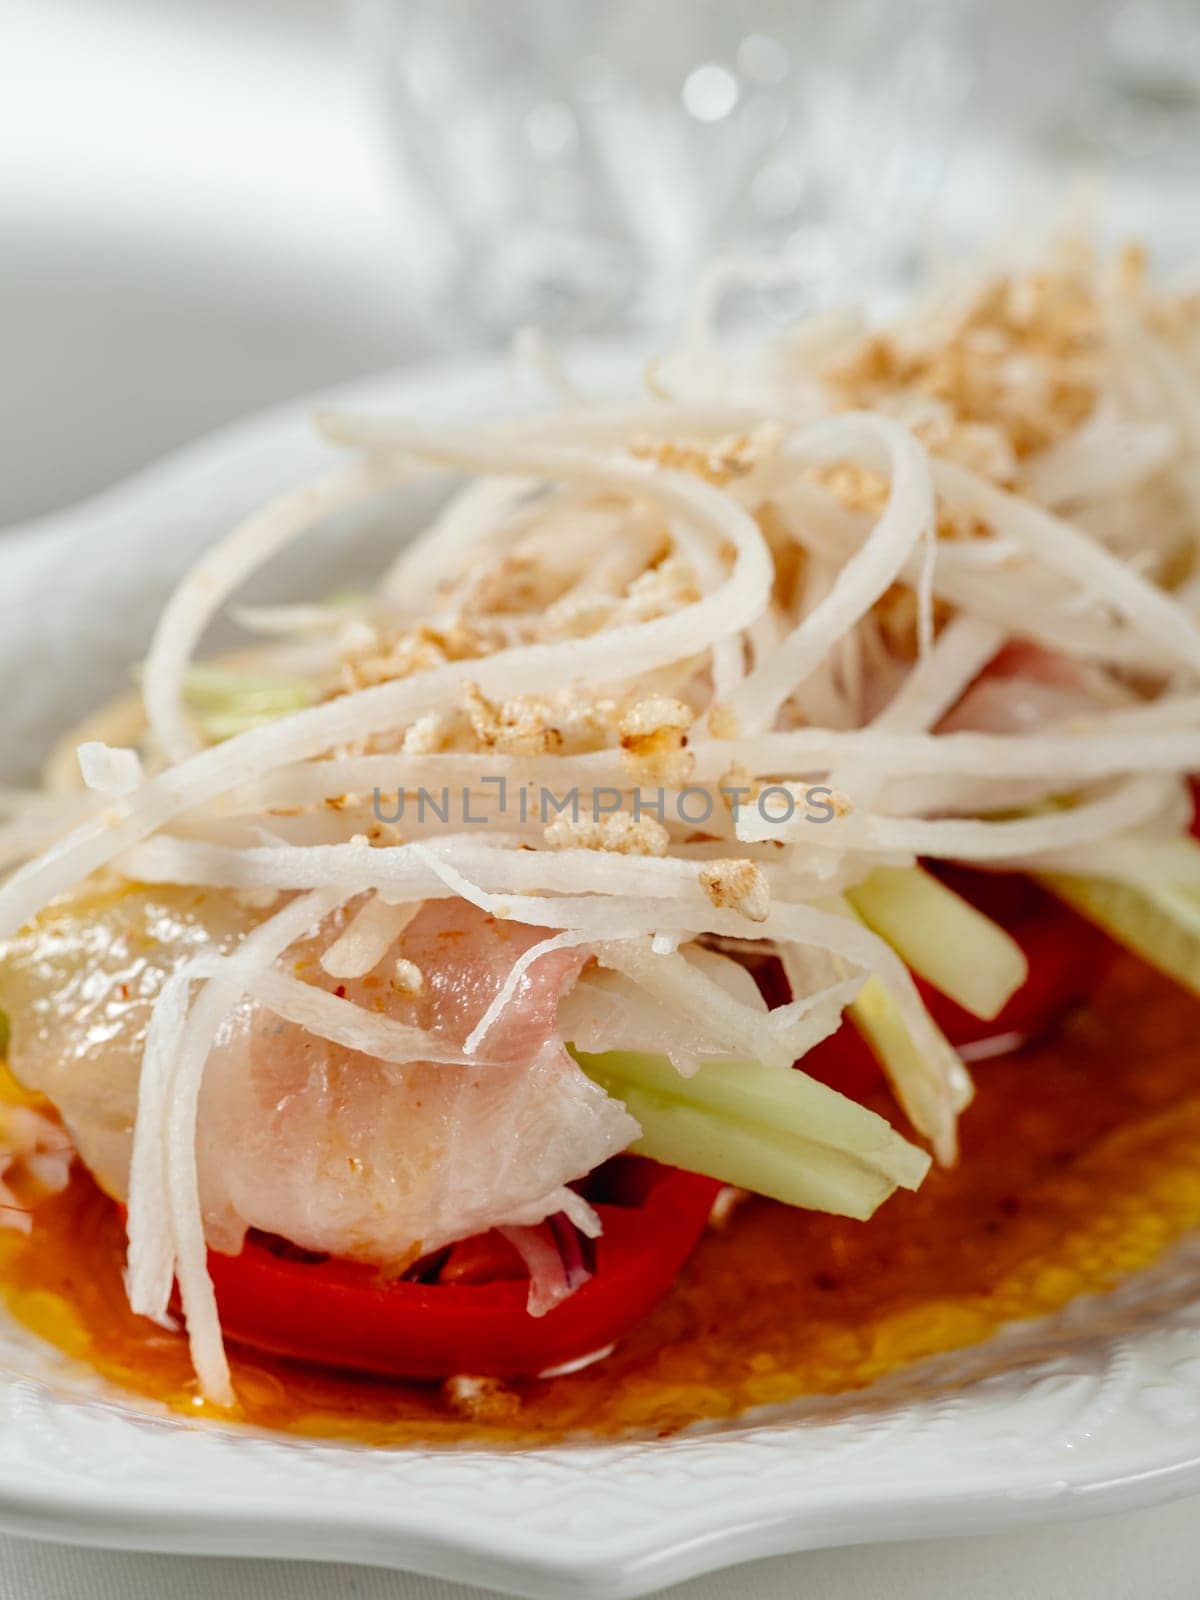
x=342, y=1314
x=1067, y=957
x=844, y=1061
x=486, y=1258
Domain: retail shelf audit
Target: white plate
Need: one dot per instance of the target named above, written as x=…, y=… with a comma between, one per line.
x=1095, y=1410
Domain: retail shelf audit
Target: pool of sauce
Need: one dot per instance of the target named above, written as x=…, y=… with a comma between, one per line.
x=1080, y=1163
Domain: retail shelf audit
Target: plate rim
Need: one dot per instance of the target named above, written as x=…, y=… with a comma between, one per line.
x=548, y=1573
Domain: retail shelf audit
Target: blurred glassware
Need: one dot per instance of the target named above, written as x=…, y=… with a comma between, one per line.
x=576, y=163
x=1109, y=88
x=1146, y=105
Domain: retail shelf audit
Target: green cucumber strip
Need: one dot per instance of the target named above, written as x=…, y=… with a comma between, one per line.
x=931, y=1093
x=1158, y=921
x=218, y=725
x=769, y=1129
x=227, y=702
x=214, y=685
x=939, y=935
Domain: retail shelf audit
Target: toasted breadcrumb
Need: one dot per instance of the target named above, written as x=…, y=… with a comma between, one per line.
x=621, y=833
x=654, y=740
x=737, y=787
x=427, y=735
x=718, y=461
x=989, y=375
x=737, y=885
x=1022, y=359
x=518, y=727
x=419, y=649
x=660, y=590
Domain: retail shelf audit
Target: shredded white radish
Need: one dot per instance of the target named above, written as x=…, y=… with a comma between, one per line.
x=1132, y=803
x=363, y=944
x=532, y=349
x=109, y=771
x=1064, y=549
x=939, y=678
x=935, y=683
x=218, y=574
x=1101, y=459
x=166, y=1231
x=289, y=621
x=204, y=776
x=549, y=1285
x=906, y=518
x=431, y=558
x=740, y=1028
x=504, y=995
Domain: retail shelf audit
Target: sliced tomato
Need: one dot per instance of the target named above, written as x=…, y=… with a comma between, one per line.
x=1067, y=957
x=486, y=1258
x=845, y=1062
x=472, y=1319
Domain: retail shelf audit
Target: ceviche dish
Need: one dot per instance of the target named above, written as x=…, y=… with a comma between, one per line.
x=719, y=920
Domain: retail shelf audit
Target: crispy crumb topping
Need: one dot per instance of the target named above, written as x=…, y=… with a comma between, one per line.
x=737, y=885
x=1008, y=372
x=654, y=736
x=718, y=462
x=621, y=833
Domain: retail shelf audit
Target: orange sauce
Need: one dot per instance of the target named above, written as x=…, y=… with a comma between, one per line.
x=1080, y=1163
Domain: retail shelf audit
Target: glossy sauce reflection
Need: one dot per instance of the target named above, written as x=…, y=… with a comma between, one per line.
x=1081, y=1161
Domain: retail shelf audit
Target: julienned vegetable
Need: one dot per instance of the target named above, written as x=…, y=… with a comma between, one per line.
x=1067, y=958
x=1157, y=921
x=929, y=1078
x=769, y=1129
x=227, y=701
x=943, y=938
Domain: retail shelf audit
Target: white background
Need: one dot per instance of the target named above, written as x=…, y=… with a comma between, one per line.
x=195, y=221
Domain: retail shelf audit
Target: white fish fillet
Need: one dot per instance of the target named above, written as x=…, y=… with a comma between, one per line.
x=299, y=1137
